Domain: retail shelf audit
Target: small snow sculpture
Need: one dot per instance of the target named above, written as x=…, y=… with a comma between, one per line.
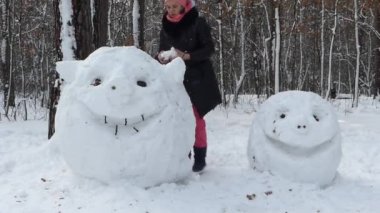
x=123, y=115
x=168, y=55
x=296, y=134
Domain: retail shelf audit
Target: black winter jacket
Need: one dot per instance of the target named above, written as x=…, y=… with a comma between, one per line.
x=192, y=35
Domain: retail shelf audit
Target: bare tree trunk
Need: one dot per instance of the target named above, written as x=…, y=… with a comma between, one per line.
x=110, y=40
x=42, y=59
x=287, y=58
x=20, y=40
x=142, y=25
x=239, y=83
x=368, y=74
x=322, y=44
x=82, y=20
x=278, y=46
x=10, y=88
x=138, y=23
x=221, y=59
x=300, y=79
x=267, y=50
x=376, y=87
x=57, y=30
x=100, y=23
x=62, y=32
x=5, y=53
x=331, y=49
x=356, y=96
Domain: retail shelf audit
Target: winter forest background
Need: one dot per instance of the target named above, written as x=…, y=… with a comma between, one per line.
x=262, y=47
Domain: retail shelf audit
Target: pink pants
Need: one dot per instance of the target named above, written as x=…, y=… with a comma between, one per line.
x=200, y=130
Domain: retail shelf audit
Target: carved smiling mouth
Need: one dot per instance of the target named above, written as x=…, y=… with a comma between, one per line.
x=133, y=124
x=299, y=151
x=130, y=124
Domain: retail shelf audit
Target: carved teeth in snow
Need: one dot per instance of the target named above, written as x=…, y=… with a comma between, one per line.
x=125, y=124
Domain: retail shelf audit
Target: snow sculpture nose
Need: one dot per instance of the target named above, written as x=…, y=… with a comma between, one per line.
x=120, y=89
x=302, y=126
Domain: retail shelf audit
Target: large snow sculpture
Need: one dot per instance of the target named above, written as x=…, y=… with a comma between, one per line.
x=296, y=134
x=122, y=115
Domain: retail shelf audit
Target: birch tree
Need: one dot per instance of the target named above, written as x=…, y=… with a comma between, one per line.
x=239, y=82
x=301, y=50
x=376, y=87
x=267, y=54
x=333, y=32
x=221, y=59
x=322, y=58
x=277, y=49
x=21, y=63
x=7, y=56
x=356, y=95
x=66, y=50
x=138, y=23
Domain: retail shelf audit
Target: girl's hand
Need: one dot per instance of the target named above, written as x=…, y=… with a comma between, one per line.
x=185, y=56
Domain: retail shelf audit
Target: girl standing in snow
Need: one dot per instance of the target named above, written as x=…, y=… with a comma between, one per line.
x=189, y=35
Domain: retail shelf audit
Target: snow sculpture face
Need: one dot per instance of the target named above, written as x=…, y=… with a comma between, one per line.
x=296, y=134
x=122, y=115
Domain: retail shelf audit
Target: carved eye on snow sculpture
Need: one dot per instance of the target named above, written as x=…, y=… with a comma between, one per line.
x=319, y=114
x=141, y=83
x=282, y=116
x=96, y=82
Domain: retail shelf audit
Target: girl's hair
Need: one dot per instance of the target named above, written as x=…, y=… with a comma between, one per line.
x=182, y=10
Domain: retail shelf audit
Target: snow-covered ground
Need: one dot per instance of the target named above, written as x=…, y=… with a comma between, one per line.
x=34, y=178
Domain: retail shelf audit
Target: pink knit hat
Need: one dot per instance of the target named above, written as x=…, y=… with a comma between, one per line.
x=187, y=4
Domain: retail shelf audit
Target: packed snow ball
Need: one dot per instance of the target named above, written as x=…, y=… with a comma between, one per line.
x=124, y=116
x=168, y=55
x=296, y=135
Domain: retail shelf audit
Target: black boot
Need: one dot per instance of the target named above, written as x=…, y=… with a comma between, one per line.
x=199, y=159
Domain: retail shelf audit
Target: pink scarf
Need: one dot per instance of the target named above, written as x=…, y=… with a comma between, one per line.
x=176, y=18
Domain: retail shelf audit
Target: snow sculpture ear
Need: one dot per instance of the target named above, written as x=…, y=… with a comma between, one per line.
x=175, y=70
x=67, y=70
